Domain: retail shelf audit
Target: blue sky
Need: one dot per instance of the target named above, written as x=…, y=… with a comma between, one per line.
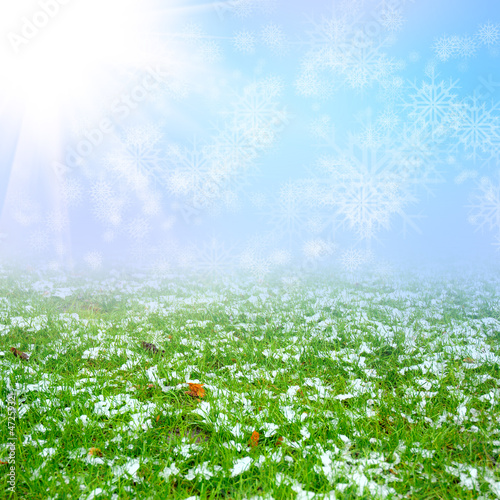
x=250, y=133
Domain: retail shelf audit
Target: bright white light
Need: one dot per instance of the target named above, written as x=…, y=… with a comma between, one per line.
x=58, y=53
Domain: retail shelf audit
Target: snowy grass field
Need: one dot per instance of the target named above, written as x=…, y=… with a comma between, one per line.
x=290, y=388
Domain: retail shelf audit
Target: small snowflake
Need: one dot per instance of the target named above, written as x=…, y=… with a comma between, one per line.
x=388, y=121
x=242, y=8
x=273, y=37
x=271, y=87
x=392, y=19
x=210, y=51
x=352, y=260
x=467, y=47
x=192, y=32
x=244, y=41
x=72, y=192
x=446, y=47
x=322, y=128
x=414, y=56
x=489, y=34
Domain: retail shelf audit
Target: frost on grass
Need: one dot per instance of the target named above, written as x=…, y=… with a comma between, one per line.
x=384, y=388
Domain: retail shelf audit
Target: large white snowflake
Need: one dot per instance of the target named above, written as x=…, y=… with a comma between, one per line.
x=330, y=33
x=256, y=115
x=434, y=103
x=340, y=52
x=137, y=158
x=365, y=64
x=367, y=203
x=211, y=178
x=366, y=190
x=477, y=128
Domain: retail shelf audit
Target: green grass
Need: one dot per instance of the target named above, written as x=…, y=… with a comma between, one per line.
x=379, y=388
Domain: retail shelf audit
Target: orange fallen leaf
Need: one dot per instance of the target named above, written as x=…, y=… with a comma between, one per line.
x=150, y=386
x=96, y=452
x=3, y=463
x=20, y=354
x=158, y=418
x=279, y=441
x=254, y=440
x=196, y=390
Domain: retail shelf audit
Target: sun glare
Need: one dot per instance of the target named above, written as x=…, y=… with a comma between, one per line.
x=58, y=54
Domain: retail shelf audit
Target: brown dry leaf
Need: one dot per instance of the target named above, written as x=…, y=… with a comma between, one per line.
x=196, y=390
x=19, y=354
x=96, y=452
x=468, y=360
x=158, y=418
x=151, y=347
x=279, y=441
x=254, y=439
